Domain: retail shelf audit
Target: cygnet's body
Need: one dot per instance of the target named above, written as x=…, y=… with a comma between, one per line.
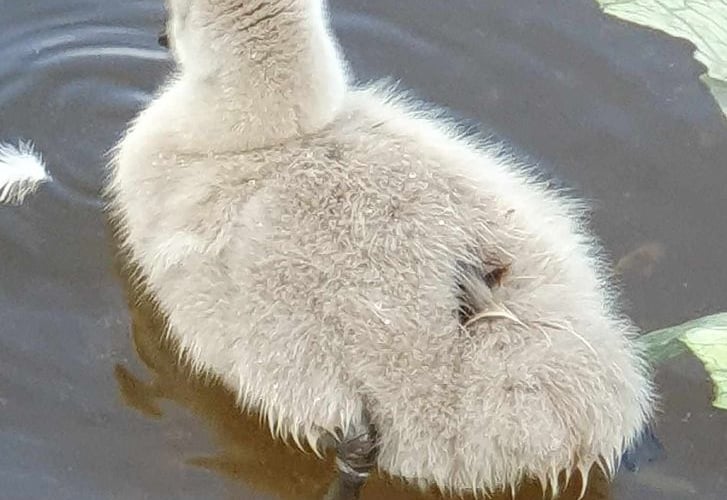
x=337, y=258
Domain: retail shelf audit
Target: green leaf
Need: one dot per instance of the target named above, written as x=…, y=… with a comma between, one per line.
x=710, y=346
x=702, y=22
x=706, y=338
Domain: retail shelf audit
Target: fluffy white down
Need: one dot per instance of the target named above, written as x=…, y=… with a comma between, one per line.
x=22, y=171
x=314, y=245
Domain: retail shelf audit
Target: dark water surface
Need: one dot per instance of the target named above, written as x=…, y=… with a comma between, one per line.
x=88, y=411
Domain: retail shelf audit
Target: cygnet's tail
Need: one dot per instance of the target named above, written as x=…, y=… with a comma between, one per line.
x=22, y=171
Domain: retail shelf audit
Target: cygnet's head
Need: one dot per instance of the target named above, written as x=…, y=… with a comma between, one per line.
x=206, y=36
x=275, y=60
x=191, y=34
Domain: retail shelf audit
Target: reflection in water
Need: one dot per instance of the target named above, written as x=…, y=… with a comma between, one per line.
x=642, y=260
x=246, y=450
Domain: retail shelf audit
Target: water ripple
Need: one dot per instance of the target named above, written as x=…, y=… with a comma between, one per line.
x=74, y=70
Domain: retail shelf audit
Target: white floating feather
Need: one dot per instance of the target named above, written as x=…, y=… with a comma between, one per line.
x=22, y=171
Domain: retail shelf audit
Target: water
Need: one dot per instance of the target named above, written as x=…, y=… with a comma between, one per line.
x=88, y=411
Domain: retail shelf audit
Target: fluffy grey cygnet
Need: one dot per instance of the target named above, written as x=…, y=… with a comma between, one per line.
x=343, y=259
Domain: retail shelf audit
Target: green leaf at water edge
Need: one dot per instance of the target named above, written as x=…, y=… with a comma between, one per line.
x=710, y=346
x=706, y=338
x=702, y=22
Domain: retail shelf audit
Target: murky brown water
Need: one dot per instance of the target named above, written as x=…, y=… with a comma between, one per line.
x=88, y=411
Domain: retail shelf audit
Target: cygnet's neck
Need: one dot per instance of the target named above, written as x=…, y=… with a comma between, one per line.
x=262, y=76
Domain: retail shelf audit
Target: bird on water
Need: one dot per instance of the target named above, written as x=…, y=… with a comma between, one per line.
x=364, y=276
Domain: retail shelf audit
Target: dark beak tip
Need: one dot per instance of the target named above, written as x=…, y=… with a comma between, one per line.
x=163, y=40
